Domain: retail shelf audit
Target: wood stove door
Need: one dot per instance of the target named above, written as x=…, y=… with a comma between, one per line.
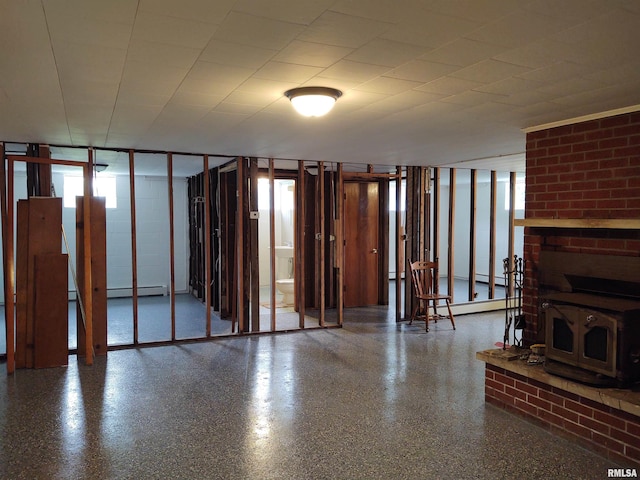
x=562, y=333
x=598, y=342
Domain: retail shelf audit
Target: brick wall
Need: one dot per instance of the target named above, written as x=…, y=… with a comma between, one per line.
x=610, y=432
x=585, y=170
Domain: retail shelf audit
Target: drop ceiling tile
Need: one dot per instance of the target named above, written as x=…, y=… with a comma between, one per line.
x=574, y=10
x=87, y=31
x=312, y=54
x=381, y=10
x=509, y=86
x=159, y=79
x=554, y=73
x=489, y=71
x=151, y=27
x=199, y=10
x=449, y=86
x=113, y=11
x=292, y=11
x=536, y=54
x=259, y=99
x=237, y=108
x=81, y=62
x=405, y=100
x=463, y=52
x=387, y=86
x=421, y=71
x=257, y=31
x=287, y=72
x=472, y=98
x=353, y=71
x=236, y=54
x=214, y=78
x=333, y=28
x=144, y=51
x=518, y=29
x=386, y=53
x=429, y=29
x=184, y=97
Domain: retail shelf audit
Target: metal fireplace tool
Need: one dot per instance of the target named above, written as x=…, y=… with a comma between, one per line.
x=514, y=318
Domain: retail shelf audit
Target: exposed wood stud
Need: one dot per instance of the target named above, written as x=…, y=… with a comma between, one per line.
x=512, y=211
x=134, y=247
x=272, y=242
x=340, y=243
x=452, y=219
x=399, y=245
x=492, y=234
x=208, y=274
x=299, y=242
x=436, y=220
x=172, y=266
x=472, y=233
x=254, y=271
x=322, y=242
x=88, y=280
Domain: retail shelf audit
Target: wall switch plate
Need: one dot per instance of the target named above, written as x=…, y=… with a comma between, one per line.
x=255, y=215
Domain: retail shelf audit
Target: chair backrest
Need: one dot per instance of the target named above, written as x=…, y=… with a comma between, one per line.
x=423, y=275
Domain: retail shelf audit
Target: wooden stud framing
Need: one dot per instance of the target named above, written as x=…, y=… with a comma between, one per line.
x=134, y=247
x=88, y=281
x=436, y=220
x=452, y=217
x=254, y=269
x=512, y=212
x=492, y=235
x=472, y=233
x=207, y=245
x=6, y=201
x=299, y=242
x=240, y=250
x=340, y=243
x=272, y=242
x=399, y=244
x=172, y=266
x=322, y=242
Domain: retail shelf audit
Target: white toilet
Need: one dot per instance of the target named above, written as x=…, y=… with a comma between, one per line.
x=286, y=287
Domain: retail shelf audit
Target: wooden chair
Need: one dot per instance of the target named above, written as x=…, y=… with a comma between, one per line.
x=423, y=277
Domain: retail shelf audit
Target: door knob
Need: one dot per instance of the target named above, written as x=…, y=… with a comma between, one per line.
x=375, y=250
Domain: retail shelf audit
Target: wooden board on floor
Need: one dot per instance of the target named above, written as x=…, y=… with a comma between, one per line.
x=50, y=310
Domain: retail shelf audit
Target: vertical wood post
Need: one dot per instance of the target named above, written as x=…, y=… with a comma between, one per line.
x=452, y=217
x=322, y=243
x=254, y=270
x=172, y=265
x=208, y=274
x=272, y=242
x=436, y=221
x=472, y=233
x=8, y=259
x=512, y=214
x=492, y=235
x=134, y=247
x=340, y=243
x=399, y=244
x=240, y=246
x=299, y=242
x=88, y=283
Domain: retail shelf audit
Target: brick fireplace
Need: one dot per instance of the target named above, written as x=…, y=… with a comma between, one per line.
x=582, y=197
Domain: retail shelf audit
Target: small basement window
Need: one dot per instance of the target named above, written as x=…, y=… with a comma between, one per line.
x=102, y=187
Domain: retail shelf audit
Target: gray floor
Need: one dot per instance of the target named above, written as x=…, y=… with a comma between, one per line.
x=370, y=400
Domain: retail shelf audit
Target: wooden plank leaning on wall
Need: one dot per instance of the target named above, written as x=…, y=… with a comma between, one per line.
x=134, y=248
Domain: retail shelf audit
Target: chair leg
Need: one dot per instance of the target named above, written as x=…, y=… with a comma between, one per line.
x=451, y=315
x=413, y=314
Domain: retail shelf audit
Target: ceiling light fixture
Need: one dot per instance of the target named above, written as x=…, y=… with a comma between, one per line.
x=313, y=101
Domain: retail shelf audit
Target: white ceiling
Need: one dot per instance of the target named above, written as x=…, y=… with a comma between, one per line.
x=425, y=82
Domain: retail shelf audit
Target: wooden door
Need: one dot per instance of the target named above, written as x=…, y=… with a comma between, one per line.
x=362, y=260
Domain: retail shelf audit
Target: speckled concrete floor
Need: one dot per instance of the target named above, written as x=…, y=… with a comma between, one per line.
x=371, y=400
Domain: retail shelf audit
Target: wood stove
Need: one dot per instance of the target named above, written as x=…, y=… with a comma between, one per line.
x=591, y=307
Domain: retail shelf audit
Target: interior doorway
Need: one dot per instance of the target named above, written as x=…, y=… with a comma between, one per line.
x=362, y=249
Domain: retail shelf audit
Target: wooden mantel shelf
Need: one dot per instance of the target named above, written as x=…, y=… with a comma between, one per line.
x=614, y=223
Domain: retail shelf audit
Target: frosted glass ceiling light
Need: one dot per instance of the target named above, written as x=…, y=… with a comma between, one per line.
x=313, y=101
